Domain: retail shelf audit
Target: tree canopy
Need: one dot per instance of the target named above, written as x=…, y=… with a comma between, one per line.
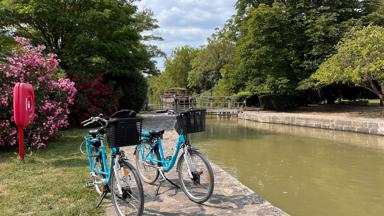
x=176, y=71
x=270, y=47
x=98, y=36
x=359, y=60
x=281, y=43
x=91, y=38
x=209, y=63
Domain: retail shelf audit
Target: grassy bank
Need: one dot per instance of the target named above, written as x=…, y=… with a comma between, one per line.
x=50, y=182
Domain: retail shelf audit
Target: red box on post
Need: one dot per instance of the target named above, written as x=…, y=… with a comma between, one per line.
x=23, y=104
x=23, y=110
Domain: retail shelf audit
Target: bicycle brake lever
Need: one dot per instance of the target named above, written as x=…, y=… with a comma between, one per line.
x=88, y=123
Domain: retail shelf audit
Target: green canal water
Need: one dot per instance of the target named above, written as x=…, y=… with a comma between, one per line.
x=303, y=171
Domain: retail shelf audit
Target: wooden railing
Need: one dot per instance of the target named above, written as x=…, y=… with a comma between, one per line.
x=206, y=102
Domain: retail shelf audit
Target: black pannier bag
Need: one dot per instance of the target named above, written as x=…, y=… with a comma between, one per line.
x=191, y=121
x=124, y=129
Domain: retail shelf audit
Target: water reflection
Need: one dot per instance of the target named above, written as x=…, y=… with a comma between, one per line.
x=304, y=171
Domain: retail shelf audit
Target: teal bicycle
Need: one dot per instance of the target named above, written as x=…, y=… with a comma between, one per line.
x=117, y=177
x=194, y=170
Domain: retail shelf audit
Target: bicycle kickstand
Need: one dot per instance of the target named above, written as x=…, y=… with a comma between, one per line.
x=102, y=196
x=165, y=179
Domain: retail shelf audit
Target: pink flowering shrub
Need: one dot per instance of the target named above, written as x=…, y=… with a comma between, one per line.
x=53, y=93
x=95, y=96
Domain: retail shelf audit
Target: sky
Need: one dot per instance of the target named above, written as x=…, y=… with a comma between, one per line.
x=186, y=22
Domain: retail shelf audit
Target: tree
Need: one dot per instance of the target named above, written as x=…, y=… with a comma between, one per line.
x=175, y=73
x=263, y=50
x=178, y=66
x=208, y=64
x=359, y=60
x=281, y=43
x=376, y=17
x=90, y=37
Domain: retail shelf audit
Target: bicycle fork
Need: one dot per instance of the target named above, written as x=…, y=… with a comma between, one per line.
x=107, y=189
x=188, y=160
x=116, y=172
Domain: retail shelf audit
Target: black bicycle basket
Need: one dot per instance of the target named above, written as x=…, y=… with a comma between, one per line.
x=191, y=121
x=124, y=131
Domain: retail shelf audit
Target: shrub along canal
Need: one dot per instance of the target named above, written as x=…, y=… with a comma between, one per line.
x=303, y=171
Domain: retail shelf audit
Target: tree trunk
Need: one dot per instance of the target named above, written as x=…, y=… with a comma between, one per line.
x=377, y=88
x=381, y=95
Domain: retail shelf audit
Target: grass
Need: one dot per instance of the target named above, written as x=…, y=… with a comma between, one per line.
x=50, y=182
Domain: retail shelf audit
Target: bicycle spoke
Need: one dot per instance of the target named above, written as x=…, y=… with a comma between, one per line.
x=121, y=198
x=131, y=200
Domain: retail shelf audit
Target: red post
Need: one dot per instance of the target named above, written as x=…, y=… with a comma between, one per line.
x=21, y=142
x=23, y=110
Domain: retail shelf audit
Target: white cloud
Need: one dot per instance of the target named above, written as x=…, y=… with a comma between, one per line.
x=187, y=22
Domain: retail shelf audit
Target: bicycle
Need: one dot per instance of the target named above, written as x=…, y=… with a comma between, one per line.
x=119, y=177
x=194, y=170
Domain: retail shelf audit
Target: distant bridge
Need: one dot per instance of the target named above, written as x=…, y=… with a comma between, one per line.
x=215, y=105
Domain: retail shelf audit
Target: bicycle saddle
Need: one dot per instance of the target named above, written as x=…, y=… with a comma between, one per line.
x=156, y=132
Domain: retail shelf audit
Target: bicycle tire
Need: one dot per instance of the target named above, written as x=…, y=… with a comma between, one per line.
x=196, y=180
x=128, y=195
x=140, y=164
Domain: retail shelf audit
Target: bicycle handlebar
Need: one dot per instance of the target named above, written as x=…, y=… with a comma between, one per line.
x=91, y=120
x=85, y=121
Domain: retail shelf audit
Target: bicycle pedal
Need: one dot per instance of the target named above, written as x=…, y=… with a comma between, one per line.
x=89, y=184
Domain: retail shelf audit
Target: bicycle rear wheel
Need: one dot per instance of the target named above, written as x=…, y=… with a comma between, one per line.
x=147, y=170
x=196, y=176
x=127, y=190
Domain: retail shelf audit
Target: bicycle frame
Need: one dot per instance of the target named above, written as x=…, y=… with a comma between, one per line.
x=89, y=141
x=167, y=164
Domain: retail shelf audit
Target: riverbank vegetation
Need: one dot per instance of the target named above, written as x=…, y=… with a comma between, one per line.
x=272, y=49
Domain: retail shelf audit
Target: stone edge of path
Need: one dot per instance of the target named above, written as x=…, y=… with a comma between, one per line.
x=265, y=208
x=342, y=123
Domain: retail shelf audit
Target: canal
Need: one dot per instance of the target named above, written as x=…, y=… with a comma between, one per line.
x=303, y=171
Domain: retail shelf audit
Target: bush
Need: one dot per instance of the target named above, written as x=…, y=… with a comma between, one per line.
x=53, y=93
x=95, y=96
x=266, y=102
x=106, y=94
x=279, y=102
x=249, y=98
x=253, y=101
x=134, y=91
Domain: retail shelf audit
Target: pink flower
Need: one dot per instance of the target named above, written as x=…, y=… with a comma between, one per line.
x=53, y=96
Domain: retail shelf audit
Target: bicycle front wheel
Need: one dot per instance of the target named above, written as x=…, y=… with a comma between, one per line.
x=196, y=176
x=127, y=190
